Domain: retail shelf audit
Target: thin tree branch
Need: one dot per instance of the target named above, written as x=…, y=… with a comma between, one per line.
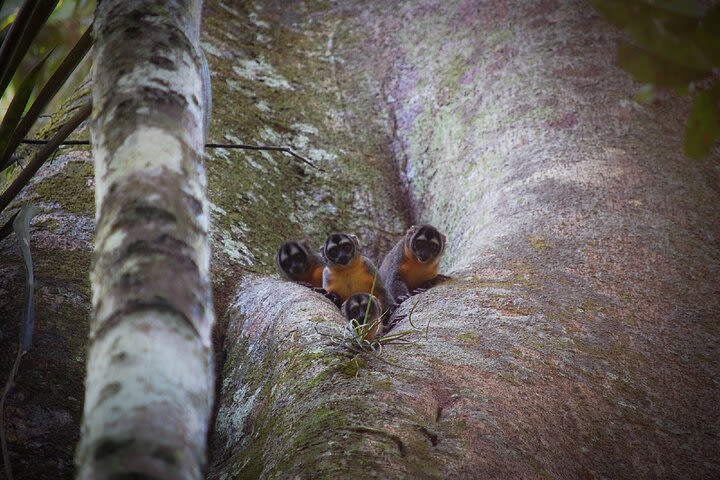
x=8, y=386
x=39, y=159
x=241, y=146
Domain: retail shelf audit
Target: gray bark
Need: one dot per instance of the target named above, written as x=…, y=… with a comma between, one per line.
x=43, y=409
x=577, y=338
x=149, y=377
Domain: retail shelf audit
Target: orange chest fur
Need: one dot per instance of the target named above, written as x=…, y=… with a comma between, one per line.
x=313, y=276
x=415, y=273
x=345, y=281
x=316, y=274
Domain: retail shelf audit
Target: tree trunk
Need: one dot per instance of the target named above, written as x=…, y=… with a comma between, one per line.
x=149, y=377
x=43, y=409
x=578, y=336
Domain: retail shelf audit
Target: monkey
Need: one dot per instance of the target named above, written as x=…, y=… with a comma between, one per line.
x=364, y=313
x=297, y=261
x=411, y=266
x=348, y=272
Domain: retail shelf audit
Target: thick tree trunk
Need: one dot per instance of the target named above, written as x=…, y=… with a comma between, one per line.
x=149, y=377
x=43, y=409
x=578, y=336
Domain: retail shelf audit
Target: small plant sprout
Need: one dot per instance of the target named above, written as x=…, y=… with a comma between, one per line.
x=363, y=335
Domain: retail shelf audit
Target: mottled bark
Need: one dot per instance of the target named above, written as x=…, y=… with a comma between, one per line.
x=43, y=410
x=149, y=377
x=578, y=337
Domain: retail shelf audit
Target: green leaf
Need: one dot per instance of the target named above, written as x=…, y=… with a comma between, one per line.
x=708, y=34
x=648, y=68
x=17, y=106
x=689, y=8
x=48, y=91
x=703, y=126
x=662, y=28
x=3, y=32
x=680, y=48
x=29, y=21
x=21, y=225
x=627, y=12
x=6, y=12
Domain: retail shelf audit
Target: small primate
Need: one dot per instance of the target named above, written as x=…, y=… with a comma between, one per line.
x=411, y=266
x=364, y=313
x=348, y=272
x=298, y=262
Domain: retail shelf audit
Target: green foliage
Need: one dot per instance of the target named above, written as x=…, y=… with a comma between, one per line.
x=29, y=20
x=703, y=127
x=673, y=44
x=17, y=105
x=57, y=35
x=356, y=338
x=44, y=98
x=27, y=33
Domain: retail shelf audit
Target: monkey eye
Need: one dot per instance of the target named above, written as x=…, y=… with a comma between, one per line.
x=332, y=250
x=354, y=311
x=420, y=243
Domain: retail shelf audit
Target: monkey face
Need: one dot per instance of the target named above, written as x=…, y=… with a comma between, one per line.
x=340, y=248
x=293, y=258
x=426, y=242
x=356, y=306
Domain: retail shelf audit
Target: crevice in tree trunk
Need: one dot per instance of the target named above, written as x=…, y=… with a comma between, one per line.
x=400, y=167
x=508, y=127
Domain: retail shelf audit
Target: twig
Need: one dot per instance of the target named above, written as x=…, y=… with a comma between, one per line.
x=410, y=313
x=241, y=146
x=287, y=150
x=8, y=385
x=42, y=155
